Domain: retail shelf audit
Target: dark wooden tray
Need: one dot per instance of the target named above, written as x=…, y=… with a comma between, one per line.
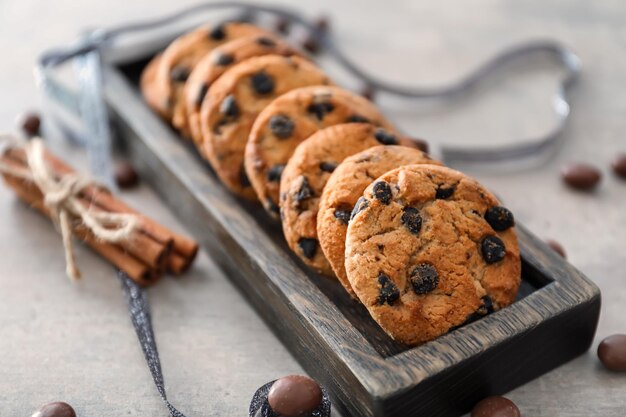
x=553, y=320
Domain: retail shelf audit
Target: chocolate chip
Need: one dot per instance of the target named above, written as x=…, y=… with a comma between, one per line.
x=412, y=220
x=328, y=166
x=360, y=205
x=382, y=192
x=125, y=175
x=424, y=278
x=355, y=118
x=342, y=215
x=243, y=178
x=282, y=25
x=320, y=109
x=204, y=88
x=262, y=83
x=275, y=172
x=271, y=206
x=265, y=41
x=308, y=246
x=304, y=192
x=385, y=137
x=496, y=407
x=30, y=123
x=229, y=106
x=612, y=352
x=499, y=218
x=179, y=74
x=389, y=293
x=281, y=126
x=294, y=396
x=487, y=307
x=493, y=250
x=55, y=409
x=581, y=176
x=557, y=247
x=218, y=33
x=443, y=193
x=619, y=165
x=223, y=60
x=420, y=144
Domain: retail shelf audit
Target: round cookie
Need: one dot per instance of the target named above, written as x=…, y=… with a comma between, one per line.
x=176, y=62
x=289, y=120
x=149, y=89
x=344, y=187
x=215, y=63
x=305, y=176
x=428, y=249
x=233, y=103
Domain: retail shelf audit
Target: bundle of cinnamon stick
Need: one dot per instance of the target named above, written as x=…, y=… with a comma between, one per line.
x=151, y=250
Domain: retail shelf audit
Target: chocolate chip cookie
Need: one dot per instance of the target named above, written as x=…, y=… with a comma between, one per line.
x=305, y=176
x=428, y=249
x=233, y=103
x=344, y=187
x=215, y=63
x=289, y=120
x=177, y=61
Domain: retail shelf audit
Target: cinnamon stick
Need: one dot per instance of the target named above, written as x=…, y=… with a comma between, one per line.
x=181, y=246
x=134, y=268
x=151, y=252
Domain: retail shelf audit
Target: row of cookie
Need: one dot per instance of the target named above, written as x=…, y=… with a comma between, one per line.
x=241, y=94
x=423, y=247
x=270, y=125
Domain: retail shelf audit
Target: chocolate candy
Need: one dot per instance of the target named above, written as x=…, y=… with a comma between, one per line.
x=368, y=92
x=581, y=176
x=322, y=23
x=619, y=165
x=496, y=407
x=557, y=247
x=56, y=409
x=30, y=123
x=290, y=396
x=294, y=396
x=612, y=352
x=282, y=25
x=125, y=175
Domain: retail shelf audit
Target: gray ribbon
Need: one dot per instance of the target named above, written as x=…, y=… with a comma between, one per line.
x=139, y=309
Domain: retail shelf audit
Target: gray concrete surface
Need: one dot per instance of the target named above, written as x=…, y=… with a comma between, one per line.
x=60, y=341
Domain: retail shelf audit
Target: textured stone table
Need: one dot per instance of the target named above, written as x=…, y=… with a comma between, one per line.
x=60, y=341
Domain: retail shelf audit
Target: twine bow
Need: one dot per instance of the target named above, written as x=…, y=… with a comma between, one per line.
x=61, y=198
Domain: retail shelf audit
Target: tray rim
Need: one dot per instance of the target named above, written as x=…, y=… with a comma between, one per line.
x=570, y=287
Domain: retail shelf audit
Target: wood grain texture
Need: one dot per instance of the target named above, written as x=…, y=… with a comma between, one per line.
x=366, y=372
